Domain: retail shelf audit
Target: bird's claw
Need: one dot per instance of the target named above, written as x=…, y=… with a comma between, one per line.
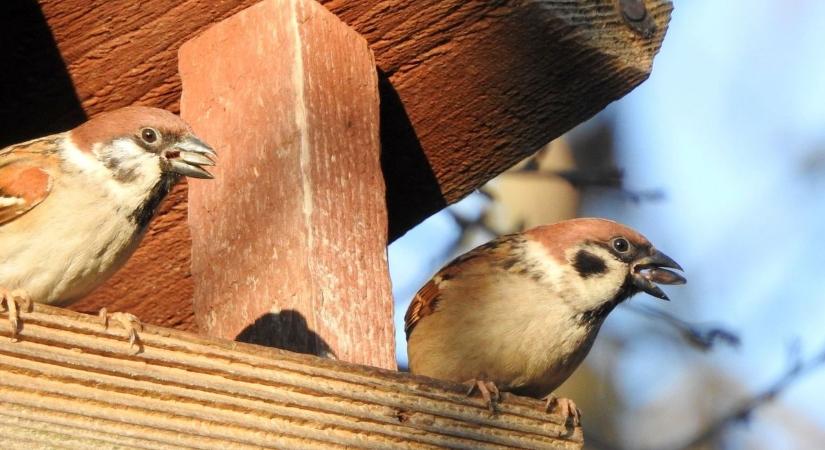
x=129, y=322
x=489, y=392
x=566, y=408
x=14, y=301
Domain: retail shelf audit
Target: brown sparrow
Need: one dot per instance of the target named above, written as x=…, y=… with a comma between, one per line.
x=75, y=205
x=521, y=312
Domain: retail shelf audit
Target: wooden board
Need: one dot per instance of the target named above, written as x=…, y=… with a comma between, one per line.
x=69, y=383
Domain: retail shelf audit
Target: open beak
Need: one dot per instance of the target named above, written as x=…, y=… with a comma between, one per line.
x=650, y=269
x=189, y=157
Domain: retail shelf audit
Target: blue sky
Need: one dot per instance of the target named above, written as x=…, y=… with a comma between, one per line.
x=731, y=126
x=734, y=110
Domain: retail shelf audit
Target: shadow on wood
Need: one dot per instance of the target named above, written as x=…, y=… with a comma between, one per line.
x=286, y=330
x=408, y=176
x=36, y=92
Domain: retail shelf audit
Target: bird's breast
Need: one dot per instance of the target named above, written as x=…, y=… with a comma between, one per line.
x=520, y=336
x=67, y=246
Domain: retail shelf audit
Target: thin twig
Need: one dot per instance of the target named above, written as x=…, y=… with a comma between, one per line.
x=610, y=178
x=702, y=337
x=744, y=411
x=466, y=224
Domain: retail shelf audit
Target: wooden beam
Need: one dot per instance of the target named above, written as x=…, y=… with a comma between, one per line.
x=472, y=87
x=69, y=383
x=468, y=88
x=289, y=239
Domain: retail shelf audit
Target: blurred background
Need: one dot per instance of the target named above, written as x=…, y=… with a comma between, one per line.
x=719, y=158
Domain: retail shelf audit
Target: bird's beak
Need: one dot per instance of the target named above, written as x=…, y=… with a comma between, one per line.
x=650, y=269
x=189, y=156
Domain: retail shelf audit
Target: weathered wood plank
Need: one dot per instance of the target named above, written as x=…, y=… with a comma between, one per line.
x=74, y=383
x=290, y=237
x=472, y=87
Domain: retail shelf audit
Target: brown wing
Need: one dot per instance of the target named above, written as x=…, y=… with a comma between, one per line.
x=469, y=264
x=422, y=305
x=24, y=182
x=426, y=299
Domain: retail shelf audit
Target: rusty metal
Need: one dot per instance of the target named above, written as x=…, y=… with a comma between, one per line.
x=636, y=17
x=633, y=10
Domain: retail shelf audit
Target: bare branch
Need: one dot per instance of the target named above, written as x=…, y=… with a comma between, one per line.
x=703, y=337
x=607, y=178
x=744, y=412
x=480, y=222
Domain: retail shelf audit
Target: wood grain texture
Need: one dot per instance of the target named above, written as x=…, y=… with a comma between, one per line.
x=289, y=239
x=467, y=88
x=483, y=84
x=71, y=384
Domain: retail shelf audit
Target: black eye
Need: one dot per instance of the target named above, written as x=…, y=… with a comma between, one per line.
x=149, y=135
x=621, y=245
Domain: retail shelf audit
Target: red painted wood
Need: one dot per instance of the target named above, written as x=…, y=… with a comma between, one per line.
x=289, y=239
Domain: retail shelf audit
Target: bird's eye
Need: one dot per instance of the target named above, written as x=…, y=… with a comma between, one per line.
x=621, y=245
x=149, y=135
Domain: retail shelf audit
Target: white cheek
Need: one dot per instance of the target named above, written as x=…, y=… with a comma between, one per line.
x=124, y=148
x=581, y=293
x=131, y=157
x=604, y=287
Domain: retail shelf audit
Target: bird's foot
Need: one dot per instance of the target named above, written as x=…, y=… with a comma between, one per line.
x=489, y=392
x=128, y=321
x=14, y=301
x=566, y=408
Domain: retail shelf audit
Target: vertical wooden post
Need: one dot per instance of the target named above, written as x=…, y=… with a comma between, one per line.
x=289, y=240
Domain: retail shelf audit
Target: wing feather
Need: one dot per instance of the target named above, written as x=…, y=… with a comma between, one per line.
x=24, y=179
x=469, y=264
x=422, y=305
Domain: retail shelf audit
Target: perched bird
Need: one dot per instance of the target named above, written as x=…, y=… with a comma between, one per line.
x=521, y=312
x=75, y=205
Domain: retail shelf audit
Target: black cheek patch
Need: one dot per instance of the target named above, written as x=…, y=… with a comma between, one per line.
x=588, y=264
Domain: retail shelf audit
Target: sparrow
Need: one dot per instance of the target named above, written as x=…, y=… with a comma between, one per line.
x=521, y=312
x=75, y=205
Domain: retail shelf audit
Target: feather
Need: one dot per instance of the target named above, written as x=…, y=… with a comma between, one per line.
x=24, y=178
